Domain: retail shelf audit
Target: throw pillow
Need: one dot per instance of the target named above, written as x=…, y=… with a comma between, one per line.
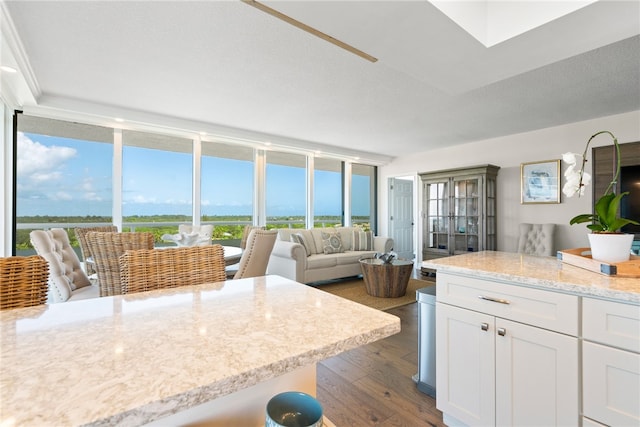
x=331, y=243
x=362, y=240
x=299, y=238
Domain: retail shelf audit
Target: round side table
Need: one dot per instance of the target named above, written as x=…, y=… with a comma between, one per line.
x=386, y=280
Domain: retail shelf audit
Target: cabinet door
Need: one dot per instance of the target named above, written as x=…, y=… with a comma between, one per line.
x=466, y=226
x=611, y=385
x=536, y=376
x=465, y=370
x=436, y=218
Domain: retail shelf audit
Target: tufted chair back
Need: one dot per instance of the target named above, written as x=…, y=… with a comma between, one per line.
x=255, y=257
x=65, y=273
x=536, y=239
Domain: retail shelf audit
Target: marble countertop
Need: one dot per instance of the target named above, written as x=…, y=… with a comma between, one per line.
x=133, y=359
x=541, y=272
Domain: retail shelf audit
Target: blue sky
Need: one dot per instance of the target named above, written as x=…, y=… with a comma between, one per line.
x=60, y=176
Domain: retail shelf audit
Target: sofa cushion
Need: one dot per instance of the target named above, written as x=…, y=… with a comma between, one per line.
x=316, y=237
x=321, y=261
x=361, y=240
x=300, y=239
x=352, y=257
x=331, y=243
x=345, y=234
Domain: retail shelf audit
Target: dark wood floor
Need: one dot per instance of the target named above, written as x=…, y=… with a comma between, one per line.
x=372, y=385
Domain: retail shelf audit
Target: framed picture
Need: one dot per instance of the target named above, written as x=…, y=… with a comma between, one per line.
x=540, y=182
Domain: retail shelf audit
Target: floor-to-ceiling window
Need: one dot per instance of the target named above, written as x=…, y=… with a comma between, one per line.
x=227, y=180
x=363, y=187
x=286, y=193
x=63, y=177
x=327, y=192
x=72, y=174
x=156, y=182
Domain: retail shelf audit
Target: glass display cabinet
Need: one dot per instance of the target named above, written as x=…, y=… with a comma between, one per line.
x=459, y=211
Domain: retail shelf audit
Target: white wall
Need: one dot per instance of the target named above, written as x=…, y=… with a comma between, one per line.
x=509, y=152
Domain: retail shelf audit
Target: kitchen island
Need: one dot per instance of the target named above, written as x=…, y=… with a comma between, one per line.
x=524, y=339
x=211, y=353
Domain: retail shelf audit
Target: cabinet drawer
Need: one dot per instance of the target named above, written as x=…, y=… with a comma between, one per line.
x=611, y=385
x=545, y=309
x=611, y=323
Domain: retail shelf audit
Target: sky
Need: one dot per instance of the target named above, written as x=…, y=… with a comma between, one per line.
x=62, y=176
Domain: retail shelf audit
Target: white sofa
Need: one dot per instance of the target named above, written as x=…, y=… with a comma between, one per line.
x=307, y=262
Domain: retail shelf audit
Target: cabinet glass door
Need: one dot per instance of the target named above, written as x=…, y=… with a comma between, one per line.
x=437, y=216
x=466, y=214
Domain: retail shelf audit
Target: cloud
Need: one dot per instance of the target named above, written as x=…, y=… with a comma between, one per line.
x=37, y=161
x=91, y=196
x=61, y=195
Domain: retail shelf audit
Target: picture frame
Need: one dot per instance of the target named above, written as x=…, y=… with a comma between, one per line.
x=540, y=182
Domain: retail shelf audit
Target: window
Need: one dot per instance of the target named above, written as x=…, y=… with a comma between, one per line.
x=63, y=177
x=327, y=192
x=156, y=182
x=227, y=189
x=363, y=186
x=286, y=193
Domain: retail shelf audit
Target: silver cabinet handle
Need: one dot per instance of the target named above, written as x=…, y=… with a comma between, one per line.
x=502, y=331
x=501, y=301
x=484, y=326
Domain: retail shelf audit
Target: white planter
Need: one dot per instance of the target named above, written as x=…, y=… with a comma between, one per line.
x=610, y=248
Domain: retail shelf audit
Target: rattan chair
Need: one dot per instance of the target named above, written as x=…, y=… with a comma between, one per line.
x=23, y=281
x=106, y=248
x=255, y=257
x=146, y=270
x=81, y=235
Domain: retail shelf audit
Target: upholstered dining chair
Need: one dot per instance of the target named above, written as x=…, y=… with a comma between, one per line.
x=24, y=281
x=536, y=239
x=205, y=232
x=67, y=279
x=106, y=249
x=255, y=257
x=234, y=262
x=81, y=236
x=146, y=270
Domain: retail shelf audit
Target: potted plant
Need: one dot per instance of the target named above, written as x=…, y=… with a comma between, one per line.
x=607, y=243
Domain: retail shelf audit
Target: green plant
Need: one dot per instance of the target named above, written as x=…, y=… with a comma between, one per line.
x=605, y=219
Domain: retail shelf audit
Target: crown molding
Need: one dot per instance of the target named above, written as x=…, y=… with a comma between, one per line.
x=12, y=41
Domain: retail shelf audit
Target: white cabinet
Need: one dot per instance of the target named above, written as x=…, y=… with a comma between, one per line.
x=492, y=370
x=611, y=362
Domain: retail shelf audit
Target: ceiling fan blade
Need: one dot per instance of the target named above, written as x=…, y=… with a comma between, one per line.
x=309, y=29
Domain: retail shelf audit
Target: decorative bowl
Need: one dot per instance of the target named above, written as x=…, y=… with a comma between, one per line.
x=293, y=409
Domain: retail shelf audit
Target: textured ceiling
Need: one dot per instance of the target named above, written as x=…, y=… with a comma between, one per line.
x=215, y=65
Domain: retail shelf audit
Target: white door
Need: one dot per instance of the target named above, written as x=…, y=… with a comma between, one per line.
x=465, y=368
x=536, y=376
x=401, y=219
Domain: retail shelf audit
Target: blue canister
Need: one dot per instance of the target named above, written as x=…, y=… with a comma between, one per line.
x=293, y=409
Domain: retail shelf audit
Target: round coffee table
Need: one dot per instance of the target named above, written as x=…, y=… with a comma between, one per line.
x=386, y=280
